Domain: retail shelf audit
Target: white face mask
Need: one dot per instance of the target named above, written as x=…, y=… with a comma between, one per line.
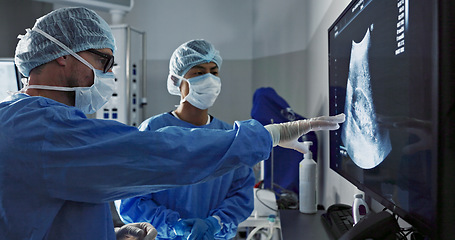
x=204, y=90
x=88, y=99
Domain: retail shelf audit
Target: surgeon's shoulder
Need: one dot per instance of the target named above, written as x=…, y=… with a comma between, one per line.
x=221, y=124
x=252, y=126
x=159, y=116
x=47, y=107
x=251, y=123
x=155, y=122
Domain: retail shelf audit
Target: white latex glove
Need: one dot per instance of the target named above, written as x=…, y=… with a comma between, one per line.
x=286, y=134
x=136, y=231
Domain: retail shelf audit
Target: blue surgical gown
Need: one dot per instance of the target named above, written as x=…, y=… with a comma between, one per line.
x=229, y=197
x=60, y=169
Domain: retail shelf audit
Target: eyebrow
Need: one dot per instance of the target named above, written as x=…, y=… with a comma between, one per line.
x=201, y=67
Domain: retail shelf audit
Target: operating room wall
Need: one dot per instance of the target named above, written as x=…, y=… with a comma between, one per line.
x=15, y=17
x=333, y=188
x=299, y=73
x=223, y=23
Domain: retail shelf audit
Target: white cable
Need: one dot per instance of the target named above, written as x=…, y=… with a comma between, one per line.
x=270, y=232
x=256, y=229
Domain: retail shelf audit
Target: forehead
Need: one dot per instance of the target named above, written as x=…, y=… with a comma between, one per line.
x=107, y=51
x=210, y=65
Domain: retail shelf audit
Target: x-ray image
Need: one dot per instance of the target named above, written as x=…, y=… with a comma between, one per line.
x=366, y=143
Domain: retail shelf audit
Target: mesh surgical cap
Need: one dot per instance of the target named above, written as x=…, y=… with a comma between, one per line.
x=78, y=28
x=188, y=55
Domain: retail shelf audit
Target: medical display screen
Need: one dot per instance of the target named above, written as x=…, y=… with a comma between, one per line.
x=8, y=77
x=381, y=72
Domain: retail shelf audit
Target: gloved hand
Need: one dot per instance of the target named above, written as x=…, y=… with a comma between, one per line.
x=203, y=229
x=136, y=231
x=287, y=134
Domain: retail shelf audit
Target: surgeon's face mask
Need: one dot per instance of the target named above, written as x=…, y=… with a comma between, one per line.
x=88, y=99
x=204, y=90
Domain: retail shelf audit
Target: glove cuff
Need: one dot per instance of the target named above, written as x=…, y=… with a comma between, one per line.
x=274, y=131
x=215, y=221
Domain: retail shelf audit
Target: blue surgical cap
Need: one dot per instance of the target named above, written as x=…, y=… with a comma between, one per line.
x=78, y=28
x=188, y=55
x=193, y=53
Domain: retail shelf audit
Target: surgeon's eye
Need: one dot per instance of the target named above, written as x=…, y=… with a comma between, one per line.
x=106, y=61
x=102, y=60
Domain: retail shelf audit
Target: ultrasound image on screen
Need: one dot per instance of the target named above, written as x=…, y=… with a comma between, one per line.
x=366, y=143
x=380, y=76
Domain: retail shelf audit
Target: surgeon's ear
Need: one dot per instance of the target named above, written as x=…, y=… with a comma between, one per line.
x=62, y=60
x=184, y=88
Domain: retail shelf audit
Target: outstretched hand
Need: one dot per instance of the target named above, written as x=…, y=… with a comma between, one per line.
x=287, y=134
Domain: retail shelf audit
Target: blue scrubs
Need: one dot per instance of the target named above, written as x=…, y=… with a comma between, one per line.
x=59, y=169
x=229, y=197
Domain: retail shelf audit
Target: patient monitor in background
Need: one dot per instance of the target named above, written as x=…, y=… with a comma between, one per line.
x=10, y=77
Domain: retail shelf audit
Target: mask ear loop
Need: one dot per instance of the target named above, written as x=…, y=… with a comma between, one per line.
x=174, y=78
x=64, y=47
x=25, y=82
x=189, y=88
